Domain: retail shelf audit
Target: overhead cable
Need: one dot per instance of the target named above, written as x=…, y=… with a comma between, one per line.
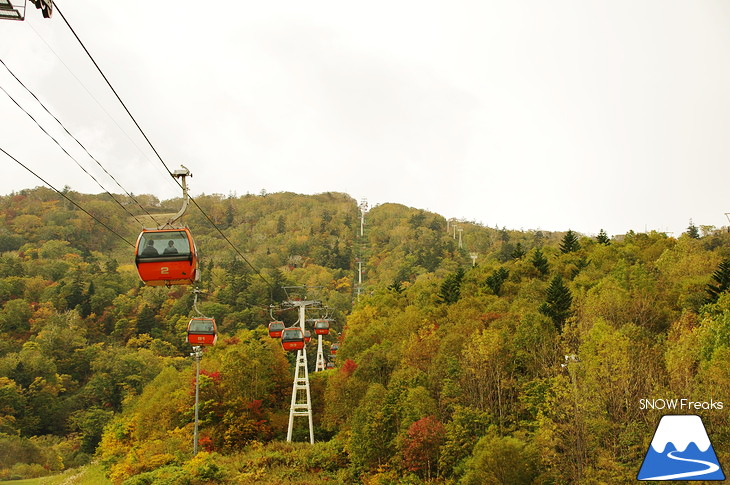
x=91, y=95
x=112, y=88
x=271, y=287
x=67, y=153
x=66, y=197
x=82, y=146
x=155, y=150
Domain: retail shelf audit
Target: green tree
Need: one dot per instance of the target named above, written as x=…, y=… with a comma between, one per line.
x=237, y=282
x=569, y=242
x=518, y=252
x=85, y=307
x=10, y=266
x=603, y=238
x=396, y=286
x=417, y=219
x=9, y=241
x=372, y=431
x=90, y=425
x=281, y=225
x=15, y=316
x=558, y=301
x=721, y=277
x=450, y=291
x=230, y=214
x=502, y=460
x=462, y=432
x=75, y=292
x=496, y=279
x=540, y=262
x=146, y=320
x=693, y=231
x=344, y=391
x=119, y=372
x=504, y=235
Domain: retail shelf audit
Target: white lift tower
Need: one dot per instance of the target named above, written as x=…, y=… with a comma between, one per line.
x=301, y=398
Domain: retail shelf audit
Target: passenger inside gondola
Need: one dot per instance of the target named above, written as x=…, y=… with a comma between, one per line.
x=170, y=249
x=149, y=249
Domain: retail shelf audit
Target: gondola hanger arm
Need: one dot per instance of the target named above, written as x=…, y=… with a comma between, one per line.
x=197, y=291
x=181, y=174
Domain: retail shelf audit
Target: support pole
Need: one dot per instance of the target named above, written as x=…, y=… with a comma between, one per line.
x=363, y=209
x=197, y=354
x=320, y=365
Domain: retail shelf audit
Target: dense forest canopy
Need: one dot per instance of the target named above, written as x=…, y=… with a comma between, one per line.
x=468, y=354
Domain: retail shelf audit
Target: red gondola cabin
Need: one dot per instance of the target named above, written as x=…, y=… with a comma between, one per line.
x=333, y=348
x=292, y=339
x=321, y=327
x=307, y=336
x=167, y=257
x=275, y=329
x=202, y=331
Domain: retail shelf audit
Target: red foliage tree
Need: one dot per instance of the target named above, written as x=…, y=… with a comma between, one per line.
x=206, y=443
x=348, y=367
x=422, y=445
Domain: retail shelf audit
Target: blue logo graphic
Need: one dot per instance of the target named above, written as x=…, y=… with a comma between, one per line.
x=680, y=450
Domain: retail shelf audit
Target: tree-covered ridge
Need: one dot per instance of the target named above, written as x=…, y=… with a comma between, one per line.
x=81, y=335
x=525, y=367
x=555, y=365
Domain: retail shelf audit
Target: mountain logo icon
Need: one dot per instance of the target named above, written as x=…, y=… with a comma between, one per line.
x=680, y=450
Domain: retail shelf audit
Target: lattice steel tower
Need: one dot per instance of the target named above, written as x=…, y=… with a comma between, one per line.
x=301, y=398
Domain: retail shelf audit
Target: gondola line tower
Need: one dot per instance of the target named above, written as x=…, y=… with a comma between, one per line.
x=301, y=398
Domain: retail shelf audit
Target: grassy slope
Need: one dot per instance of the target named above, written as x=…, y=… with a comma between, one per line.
x=89, y=475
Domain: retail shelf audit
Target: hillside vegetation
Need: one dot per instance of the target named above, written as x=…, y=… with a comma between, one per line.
x=524, y=365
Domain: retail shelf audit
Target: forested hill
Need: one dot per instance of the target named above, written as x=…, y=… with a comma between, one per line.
x=467, y=354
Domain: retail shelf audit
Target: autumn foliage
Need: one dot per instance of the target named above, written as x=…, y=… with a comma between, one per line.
x=526, y=367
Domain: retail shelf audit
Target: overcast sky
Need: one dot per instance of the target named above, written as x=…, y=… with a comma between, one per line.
x=524, y=114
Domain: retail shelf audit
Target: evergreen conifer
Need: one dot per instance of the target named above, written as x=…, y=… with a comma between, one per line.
x=603, y=238
x=450, y=291
x=722, y=277
x=557, y=302
x=518, y=252
x=569, y=243
x=540, y=262
x=692, y=230
x=496, y=279
x=146, y=320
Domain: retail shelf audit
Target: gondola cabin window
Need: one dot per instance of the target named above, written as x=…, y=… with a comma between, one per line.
x=155, y=244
